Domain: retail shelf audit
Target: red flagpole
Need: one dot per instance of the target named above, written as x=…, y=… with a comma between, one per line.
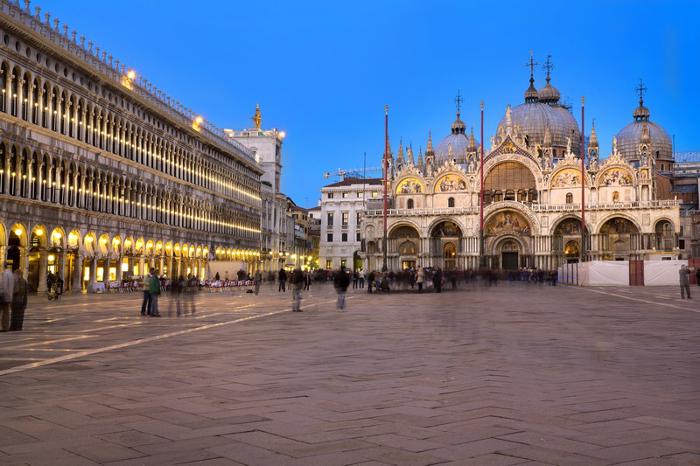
x=481, y=204
x=583, y=179
x=386, y=170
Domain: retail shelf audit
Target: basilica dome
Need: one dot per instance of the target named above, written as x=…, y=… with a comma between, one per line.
x=533, y=119
x=458, y=141
x=629, y=138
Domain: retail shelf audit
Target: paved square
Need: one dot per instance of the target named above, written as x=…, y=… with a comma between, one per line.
x=484, y=376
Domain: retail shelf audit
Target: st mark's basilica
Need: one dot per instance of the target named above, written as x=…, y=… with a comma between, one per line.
x=532, y=194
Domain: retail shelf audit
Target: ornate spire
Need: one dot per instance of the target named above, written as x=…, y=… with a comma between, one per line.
x=593, y=140
x=409, y=150
x=547, y=137
x=420, y=157
x=531, y=93
x=472, y=142
x=429, y=148
x=400, y=161
x=641, y=113
x=257, y=118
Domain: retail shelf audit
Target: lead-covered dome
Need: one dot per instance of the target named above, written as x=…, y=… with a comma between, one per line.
x=533, y=119
x=630, y=137
x=456, y=145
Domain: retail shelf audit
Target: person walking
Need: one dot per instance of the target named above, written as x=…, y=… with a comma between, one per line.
x=341, y=282
x=420, y=278
x=361, y=276
x=297, y=283
x=437, y=280
x=19, y=301
x=154, y=289
x=7, y=289
x=685, y=283
x=282, y=277
x=256, y=281
x=146, y=304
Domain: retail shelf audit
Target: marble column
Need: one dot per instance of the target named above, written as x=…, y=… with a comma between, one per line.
x=161, y=264
x=24, y=262
x=61, y=269
x=93, y=274
x=120, y=260
x=142, y=263
x=43, y=265
x=77, y=285
x=105, y=273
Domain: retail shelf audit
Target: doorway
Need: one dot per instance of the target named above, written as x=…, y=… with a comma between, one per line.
x=408, y=264
x=509, y=260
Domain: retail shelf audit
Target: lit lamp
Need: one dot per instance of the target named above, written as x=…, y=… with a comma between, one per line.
x=39, y=232
x=127, y=243
x=89, y=239
x=18, y=232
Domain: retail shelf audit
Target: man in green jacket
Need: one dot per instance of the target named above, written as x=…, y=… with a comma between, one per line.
x=154, y=289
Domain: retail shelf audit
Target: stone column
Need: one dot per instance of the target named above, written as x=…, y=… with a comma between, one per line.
x=24, y=262
x=161, y=264
x=93, y=274
x=43, y=265
x=120, y=261
x=169, y=263
x=142, y=262
x=62, y=256
x=76, y=286
x=105, y=273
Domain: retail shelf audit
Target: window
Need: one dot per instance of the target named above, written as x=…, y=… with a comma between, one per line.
x=569, y=198
x=329, y=237
x=329, y=263
x=345, y=219
x=344, y=238
x=346, y=195
x=358, y=237
x=344, y=263
x=375, y=194
x=359, y=194
x=330, y=195
x=409, y=204
x=330, y=219
x=357, y=219
x=681, y=244
x=451, y=202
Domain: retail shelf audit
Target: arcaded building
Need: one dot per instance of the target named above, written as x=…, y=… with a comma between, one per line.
x=102, y=175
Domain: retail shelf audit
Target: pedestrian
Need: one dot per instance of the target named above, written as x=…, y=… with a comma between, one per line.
x=217, y=277
x=355, y=278
x=146, y=304
x=437, y=280
x=59, y=284
x=19, y=301
x=361, y=276
x=51, y=282
x=175, y=297
x=370, y=281
x=697, y=275
x=154, y=288
x=341, y=282
x=256, y=281
x=297, y=283
x=7, y=289
x=420, y=278
x=307, y=280
x=282, y=277
x=685, y=283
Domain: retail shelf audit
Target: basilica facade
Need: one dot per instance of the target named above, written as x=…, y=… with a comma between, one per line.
x=532, y=177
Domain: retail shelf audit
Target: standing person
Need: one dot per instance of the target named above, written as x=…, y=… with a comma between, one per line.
x=685, y=284
x=282, y=276
x=370, y=282
x=217, y=277
x=59, y=284
x=354, y=280
x=154, y=289
x=361, y=276
x=7, y=289
x=437, y=280
x=256, y=281
x=146, y=285
x=307, y=280
x=341, y=282
x=19, y=301
x=697, y=275
x=297, y=283
x=420, y=278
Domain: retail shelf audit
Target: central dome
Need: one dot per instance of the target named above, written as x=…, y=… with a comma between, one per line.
x=533, y=119
x=456, y=145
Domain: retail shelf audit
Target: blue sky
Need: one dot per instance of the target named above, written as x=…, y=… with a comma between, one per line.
x=323, y=70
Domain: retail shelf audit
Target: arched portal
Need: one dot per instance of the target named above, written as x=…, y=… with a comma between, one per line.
x=446, y=237
x=404, y=242
x=510, y=181
x=509, y=252
x=566, y=232
x=665, y=236
x=619, y=237
x=449, y=254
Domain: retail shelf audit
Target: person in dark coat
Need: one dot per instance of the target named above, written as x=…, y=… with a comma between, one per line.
x=370, y=282
x=341, y=282
x=19, y=301
x=437, y=280
x=283, y=280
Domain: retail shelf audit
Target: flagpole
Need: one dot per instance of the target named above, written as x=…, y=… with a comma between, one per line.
x=481, y=204
x=386, y=170
x=583, y=181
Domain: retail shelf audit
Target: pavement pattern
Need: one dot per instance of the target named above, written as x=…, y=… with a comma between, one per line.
x=514, y=374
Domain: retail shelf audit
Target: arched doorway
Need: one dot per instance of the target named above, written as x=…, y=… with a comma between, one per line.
x=572, y=251
x=403, y=242
x=665, y=236
x=510, y=254
x=619, y=238
x=14, y=245
x=407, y=255
x=450, y=255
x=566, y=241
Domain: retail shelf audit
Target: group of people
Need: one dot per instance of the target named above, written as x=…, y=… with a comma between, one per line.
x=182, y=287
x=13, y=299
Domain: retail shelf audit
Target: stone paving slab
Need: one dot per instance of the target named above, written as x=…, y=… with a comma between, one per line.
x=509, y=375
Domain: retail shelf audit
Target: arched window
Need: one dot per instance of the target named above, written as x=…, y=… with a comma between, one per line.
x=663, y=166
x=451, y=202
x=569, y=198
x=410, y=204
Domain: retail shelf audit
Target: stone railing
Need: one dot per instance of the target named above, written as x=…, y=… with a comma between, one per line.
x=436, y=211
x=108, y=66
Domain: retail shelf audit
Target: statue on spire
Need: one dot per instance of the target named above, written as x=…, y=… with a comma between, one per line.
x=257, y=118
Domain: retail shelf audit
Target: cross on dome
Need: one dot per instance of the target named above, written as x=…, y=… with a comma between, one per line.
x=532, y=63
x=641, y=89
x=458, y=102
x=548, y=66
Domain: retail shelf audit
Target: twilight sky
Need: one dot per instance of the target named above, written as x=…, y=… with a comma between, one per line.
x=323, y=70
